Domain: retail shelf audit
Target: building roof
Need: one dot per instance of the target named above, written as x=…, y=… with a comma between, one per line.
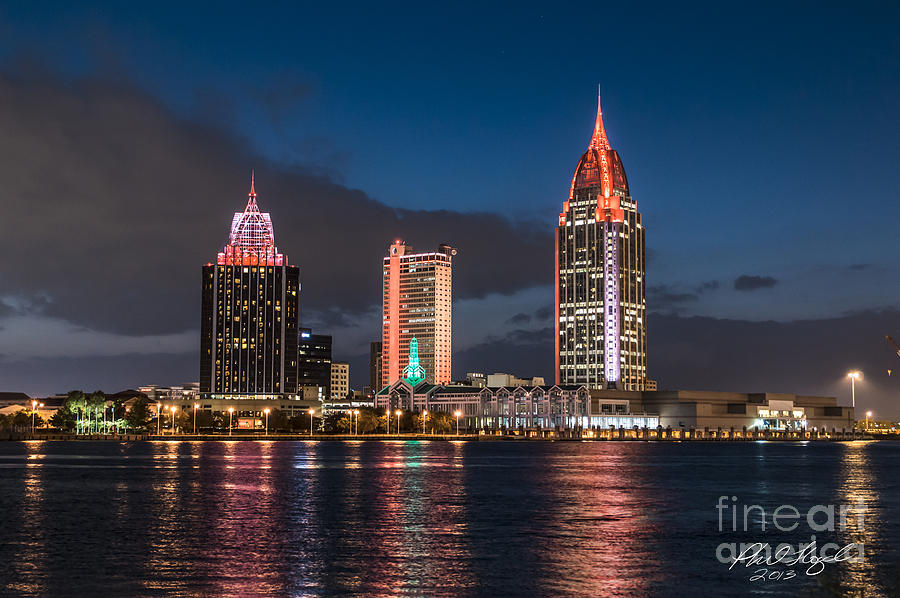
x=600, y=164
x=12, y=398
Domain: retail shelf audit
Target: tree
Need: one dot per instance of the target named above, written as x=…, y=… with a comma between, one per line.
x=138, y=415
x=22, y=419
x=367, y=421
x=441, y=422
x=97, y=406
x=5, y=420
x=75, y=403
x=63, y=419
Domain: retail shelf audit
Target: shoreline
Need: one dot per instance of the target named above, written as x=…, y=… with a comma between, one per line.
x=58, y=437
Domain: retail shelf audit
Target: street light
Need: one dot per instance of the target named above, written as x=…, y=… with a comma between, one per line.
x=196, y=406
x=33, y=409
x=174, y=408
x=854, y=376
x=312, y=412
x=356, y=413
x=424, y=415
x=387, y=418
x=266, y=411
x=457, y=413
x=868, y=415
x=158, y=407
x=230, y=415
x=398, y=413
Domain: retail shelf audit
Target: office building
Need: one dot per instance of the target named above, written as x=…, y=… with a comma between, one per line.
x=601, y=338
x=417, y=299
x=250, y=311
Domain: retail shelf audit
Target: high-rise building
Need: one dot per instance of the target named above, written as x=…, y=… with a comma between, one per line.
x=314, y=365
x=340, y=380
x=417, y=300
x=601, y=317
x=375, y=366
x=251, y=306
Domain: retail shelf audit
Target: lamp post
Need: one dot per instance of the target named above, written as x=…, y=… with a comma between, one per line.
x=854, y=376
x=158, y=407
x=196, y=405
x=387, y=418
x=266, y=411
x=398, y=413
x=174, y=409
x=312, y=412
x=356, y=413
x=33, y=409
x=230, y=415
x=457, y=413
x=424, y=415
x=868, y=415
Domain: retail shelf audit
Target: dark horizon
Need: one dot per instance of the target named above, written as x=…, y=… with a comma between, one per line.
x=764, y=170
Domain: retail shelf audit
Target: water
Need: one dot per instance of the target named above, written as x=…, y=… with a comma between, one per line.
x=427, y=518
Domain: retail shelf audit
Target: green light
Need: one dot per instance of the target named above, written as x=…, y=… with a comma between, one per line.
x=413, y=372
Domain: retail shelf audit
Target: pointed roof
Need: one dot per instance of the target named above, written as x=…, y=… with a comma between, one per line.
x=598, y=139
x=600, y=164
x=252, y=237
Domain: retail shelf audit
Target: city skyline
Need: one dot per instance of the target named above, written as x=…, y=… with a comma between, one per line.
x=756, y=308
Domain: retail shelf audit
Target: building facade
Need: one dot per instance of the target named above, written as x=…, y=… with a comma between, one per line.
x=601, y=338
x=417, y=299
x=250, y=313
x=340, y=380
x=375, y=366
x=314, y=365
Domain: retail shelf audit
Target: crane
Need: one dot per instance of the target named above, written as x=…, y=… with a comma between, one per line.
x=893, y=346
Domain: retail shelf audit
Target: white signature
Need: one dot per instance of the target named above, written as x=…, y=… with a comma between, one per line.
x=787, y=556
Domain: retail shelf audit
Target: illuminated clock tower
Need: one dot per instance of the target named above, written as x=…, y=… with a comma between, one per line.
x=601, y=311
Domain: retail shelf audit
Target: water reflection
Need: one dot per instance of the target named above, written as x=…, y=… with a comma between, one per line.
x=434, y=518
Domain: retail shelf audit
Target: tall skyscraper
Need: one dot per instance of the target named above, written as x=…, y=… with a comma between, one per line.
x=601, y=338
x=251, y=306
x=417, y=300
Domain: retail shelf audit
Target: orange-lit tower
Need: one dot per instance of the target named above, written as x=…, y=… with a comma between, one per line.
x=601, y=338
x=417, y=303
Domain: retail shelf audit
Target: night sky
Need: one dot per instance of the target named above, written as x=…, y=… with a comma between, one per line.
x=761, y=146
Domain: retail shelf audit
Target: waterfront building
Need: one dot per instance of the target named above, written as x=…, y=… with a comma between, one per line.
x=574, y=407
x=601, y=339
x=340, y=380
x=250, y=313
x=314, y=365
x=375, y=366
x=417, y=300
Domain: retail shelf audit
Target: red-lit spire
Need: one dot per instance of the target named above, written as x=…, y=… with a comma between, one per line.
x=252, y=177
x=599, y=140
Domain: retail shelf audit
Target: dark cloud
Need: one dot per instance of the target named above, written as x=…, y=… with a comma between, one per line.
x=665, y=297
x=42, y=376
x=519, y=319
x=803, y=356
x=705, y=287
x=520, y=352
x=751, y=283
x=544, y=313
x=860, y=267
x=112, y=204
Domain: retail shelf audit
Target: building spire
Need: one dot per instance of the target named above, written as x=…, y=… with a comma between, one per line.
x=599, y=140
x=252, y=177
